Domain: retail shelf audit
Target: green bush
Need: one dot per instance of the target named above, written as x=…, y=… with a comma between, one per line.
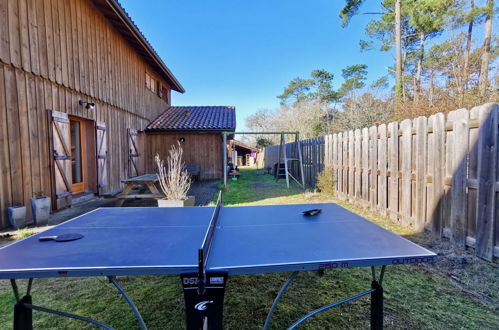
x=326, y=181
x=25, y=232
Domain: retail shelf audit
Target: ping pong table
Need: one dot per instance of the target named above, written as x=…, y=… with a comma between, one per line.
x=206, y=245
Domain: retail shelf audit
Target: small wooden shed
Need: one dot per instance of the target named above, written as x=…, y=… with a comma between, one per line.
x=199, y=131
x=242, y=154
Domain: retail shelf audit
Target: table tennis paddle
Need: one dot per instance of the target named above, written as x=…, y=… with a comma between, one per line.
x=61, y=238
x=312, y=212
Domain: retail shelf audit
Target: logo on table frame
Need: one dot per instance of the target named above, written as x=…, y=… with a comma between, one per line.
x=201, y=306
x=190, y=280
x=334, y=265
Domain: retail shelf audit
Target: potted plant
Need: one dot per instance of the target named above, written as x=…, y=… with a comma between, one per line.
x=17, y=216
x=40, y=206
x=174, y=180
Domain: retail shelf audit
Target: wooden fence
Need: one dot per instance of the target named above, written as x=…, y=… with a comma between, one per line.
x=439, y=173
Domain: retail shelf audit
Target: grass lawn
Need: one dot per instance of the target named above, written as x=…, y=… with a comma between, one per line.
x=458, y=292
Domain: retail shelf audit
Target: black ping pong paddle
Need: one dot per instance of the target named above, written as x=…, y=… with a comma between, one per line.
x=312, y=212
x=61, y=238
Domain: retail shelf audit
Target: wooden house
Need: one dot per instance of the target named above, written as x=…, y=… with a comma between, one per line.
x=241, y=154
x=77, y=81
x=198, y=129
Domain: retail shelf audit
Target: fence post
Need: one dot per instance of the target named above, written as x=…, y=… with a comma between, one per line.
x=345, y=165
x=487, y=187
x=393, y=167
x=335, y=163
x=365, y=166
x=351, y=166
x=340, y=165
x=405, y=155
x=373, y=166
x=382, y=164
x=459, y=176
x=420, y=162
x=436, y=161
x=357, y=167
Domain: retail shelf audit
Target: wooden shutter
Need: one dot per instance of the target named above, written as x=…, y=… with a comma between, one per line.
x=133, y=153
x=61, y=152
x=102, y=174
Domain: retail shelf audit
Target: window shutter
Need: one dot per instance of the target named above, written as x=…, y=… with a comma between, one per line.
x=61, y=155
x=102, y=173
x=133, y=153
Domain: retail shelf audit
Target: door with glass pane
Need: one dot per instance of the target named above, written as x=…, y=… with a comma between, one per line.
x=77, y=138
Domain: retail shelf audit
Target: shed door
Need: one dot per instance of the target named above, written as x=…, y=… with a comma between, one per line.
x=133, y=153
x=102, y=175
x=61, y=159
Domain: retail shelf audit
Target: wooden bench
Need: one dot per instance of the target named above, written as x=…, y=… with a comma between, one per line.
x=146, y=180
x=141, y=196
x=112, y=194
x=194, y=170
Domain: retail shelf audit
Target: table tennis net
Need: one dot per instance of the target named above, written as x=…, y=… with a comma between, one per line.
x=204, y=251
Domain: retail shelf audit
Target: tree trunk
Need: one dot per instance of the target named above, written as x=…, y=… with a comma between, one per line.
x=430, y=93
x=419, y=71
x=398, y=50
x=484, y=69
x=466, y=57
x=404, y=54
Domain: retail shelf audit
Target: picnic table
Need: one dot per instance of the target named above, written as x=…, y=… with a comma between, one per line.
x=148, y=180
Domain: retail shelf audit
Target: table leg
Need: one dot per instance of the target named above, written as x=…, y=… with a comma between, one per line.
x=377, y=299
x=23, y=311
x=279, y=295
x=23, y=316
x=376, y=306
x=126, y=191
x=376, y=293
x=112, y=279
x=204, y=311
x=152, y=188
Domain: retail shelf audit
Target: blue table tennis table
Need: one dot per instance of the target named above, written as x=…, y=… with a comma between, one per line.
x=206, y=245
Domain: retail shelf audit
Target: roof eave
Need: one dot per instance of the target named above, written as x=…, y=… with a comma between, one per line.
x=198, y=130
x=138, y=35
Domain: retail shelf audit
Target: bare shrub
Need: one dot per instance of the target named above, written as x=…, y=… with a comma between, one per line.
x=174, y=180
x=326, y=181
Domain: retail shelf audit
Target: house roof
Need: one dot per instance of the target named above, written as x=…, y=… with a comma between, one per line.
x=195, y=118
x=122, y=22
x=243, y=145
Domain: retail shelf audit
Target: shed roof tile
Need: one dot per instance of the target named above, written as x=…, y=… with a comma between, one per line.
x=195, y=118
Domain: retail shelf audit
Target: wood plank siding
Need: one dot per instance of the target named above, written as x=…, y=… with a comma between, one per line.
x=202, y=148
x=54, y=53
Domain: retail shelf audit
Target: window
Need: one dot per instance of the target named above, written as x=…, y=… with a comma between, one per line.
x=164, y=94
x=157, y=87
x=148, y=81
x=151, y=83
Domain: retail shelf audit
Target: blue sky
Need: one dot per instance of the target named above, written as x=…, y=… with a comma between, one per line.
x=243, y=53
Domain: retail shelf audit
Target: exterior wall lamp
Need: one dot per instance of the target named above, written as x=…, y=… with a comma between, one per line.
x=88, y=105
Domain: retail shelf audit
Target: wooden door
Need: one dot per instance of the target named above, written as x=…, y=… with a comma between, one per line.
x=78, y=152
x=101, y=139
x=133, y=153
x=61, y=154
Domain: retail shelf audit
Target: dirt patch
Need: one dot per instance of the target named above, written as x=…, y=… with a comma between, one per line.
x=6, y=239
x=475, y=276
